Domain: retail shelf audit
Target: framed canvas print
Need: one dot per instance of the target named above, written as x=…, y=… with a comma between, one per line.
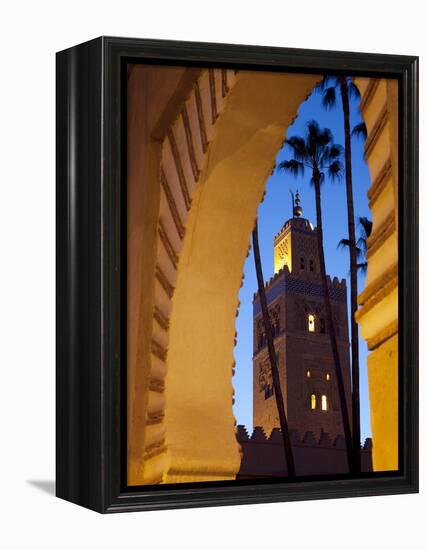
x=237, y=284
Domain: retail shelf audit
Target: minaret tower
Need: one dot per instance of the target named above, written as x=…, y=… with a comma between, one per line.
x=296, y=306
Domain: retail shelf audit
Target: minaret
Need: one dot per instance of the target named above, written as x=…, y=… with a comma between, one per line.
x=296, y=307
x=282, y=242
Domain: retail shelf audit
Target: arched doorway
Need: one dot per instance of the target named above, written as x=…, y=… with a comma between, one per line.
x=189, y=238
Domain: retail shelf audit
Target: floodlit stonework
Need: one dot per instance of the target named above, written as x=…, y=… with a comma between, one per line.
x=196, y=140
x=378, y=313
x=302, y=343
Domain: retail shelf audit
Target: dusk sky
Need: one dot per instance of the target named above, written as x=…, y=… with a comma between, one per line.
x=272, y=214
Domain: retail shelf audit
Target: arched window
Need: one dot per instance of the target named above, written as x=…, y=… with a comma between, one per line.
x=308, y=374
x=327, y=376
x=311, y=265
x=311, y=322
x=302, y=263
x=322, y=325
x=324, y=402
x=313, y=401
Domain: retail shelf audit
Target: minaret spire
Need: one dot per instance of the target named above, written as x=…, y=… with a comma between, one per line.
x=297, y=209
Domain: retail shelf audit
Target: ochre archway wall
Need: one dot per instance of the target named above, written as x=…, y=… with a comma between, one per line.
x=205, y=158
x=378, y=314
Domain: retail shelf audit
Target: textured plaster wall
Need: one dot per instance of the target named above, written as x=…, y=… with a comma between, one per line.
x=200, y=426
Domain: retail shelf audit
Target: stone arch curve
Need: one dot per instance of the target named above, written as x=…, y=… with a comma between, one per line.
x=214, y=157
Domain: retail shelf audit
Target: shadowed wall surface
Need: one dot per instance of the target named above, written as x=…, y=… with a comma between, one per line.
x=263, y=456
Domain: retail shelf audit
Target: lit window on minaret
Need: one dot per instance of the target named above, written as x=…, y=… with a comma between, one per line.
x=311, y=323
x=324, y=402
x=313, y=401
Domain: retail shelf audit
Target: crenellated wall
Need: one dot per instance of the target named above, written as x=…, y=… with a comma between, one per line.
x=305, y=361
x=263, y=456
x=283, y=281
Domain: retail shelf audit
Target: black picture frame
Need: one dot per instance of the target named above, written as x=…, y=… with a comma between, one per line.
x=90, y=247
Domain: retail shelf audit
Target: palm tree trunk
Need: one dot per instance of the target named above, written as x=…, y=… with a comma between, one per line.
x=330, y=324
x=272, y=358
x=356, y=430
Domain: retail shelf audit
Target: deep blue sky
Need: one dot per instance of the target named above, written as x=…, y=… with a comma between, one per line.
x=272, y=214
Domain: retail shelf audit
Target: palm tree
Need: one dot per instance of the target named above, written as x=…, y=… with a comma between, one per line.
x=347, y=88
x=272, y=357
x=366, y=227
x=361, y=245
x=317, y=152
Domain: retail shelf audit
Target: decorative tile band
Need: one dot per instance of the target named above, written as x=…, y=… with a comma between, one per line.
x=297, y=286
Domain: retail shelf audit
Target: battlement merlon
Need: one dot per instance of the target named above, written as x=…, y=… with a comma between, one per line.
x=283, y=271
x=335, y=283
x=337, y=288
x=307, y=439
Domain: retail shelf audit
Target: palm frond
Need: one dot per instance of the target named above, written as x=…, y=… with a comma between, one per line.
x=325, y=137
x=321, y=178
x=360, y=130
x=362, y=244
x=354, y=92
x=335, y=151
x=335, y=170
x=317, y=151
x=321, y=85
x=329, y=98
x=313, y=128
x=312, y=136
x=343, y=243
x=298, y=147
x=346, y=243
x=329, y=154
x=327, y=81
x=293, y=166
x=366, y=226
x=362, y=267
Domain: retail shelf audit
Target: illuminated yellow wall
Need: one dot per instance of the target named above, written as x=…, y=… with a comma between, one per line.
x=147, y=122
x=378, y=312
x=282, y=252
x=200, y=426
x=223, y=140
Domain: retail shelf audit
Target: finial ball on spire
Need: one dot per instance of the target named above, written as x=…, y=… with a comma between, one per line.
x=297, y=210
